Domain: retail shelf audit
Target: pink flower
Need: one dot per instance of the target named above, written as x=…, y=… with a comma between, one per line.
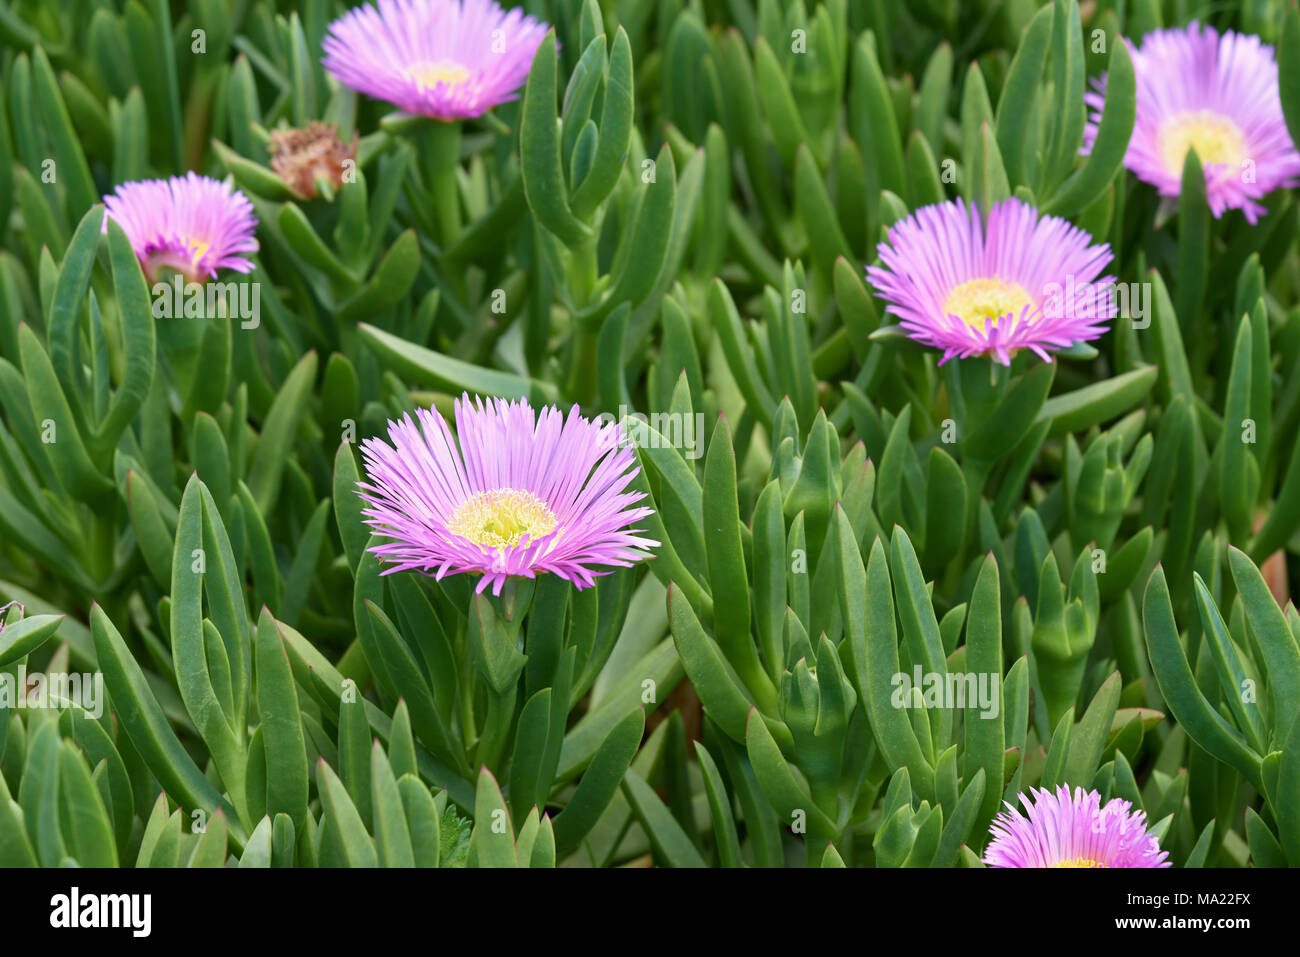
x=514, y=493
x=1065, y=830
x=191, y=224
x=1216, y=94
x=448, y=59
x=973, y=287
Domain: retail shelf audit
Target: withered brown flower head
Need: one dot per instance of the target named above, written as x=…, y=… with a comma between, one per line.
x=301, y=156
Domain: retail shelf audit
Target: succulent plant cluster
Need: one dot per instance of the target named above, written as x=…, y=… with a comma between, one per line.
x=603, y=432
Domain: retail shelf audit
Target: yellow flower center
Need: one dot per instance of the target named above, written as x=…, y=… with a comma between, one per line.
x=199, y=249
x=1078, y=862
x=1215, y=138
x=499, y=518
x=978, y=302
x=429, y=75
x=182, y=256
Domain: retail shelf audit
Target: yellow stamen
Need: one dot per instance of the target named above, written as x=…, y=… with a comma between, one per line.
x=429, y=75
x=1215, y=138
x=1078, y=862
x=978, y=302
x=499, y=518
x=199, y=249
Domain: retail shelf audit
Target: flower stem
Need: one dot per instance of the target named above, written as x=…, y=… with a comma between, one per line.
x=583, y=272
x=439, y=148
x=582, y=370
x=582, y=275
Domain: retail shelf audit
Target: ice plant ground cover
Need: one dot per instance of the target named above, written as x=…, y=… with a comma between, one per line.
x=607, y=432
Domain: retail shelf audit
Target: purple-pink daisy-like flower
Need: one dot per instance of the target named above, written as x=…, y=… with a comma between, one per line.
x=191, y=224
x=1216, y=94
x=1072, y=830
x=974, y=287
x=519, y=493
x=448, y=59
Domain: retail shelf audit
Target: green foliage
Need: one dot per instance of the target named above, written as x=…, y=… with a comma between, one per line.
x=671, y=220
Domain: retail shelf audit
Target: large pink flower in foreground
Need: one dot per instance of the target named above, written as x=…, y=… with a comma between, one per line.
x=449, y=59
x=1217, y=94
x=191, y=224
x=1072, y=830
x=975, y=287
x=523, y=493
